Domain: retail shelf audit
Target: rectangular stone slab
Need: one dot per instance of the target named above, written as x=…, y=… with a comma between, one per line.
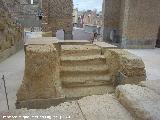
x=103, y=107
x=143, y=103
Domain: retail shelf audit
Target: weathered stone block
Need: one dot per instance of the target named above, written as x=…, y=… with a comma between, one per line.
x=141, y=102
x=108, y=108
x=125, y=67
x=152, y=84
x=41, y=78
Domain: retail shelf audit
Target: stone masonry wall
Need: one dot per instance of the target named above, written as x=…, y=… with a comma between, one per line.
x=111, y=17
x=10, y=34
x=126, y=68
x=136, y=22
x=141, y=23
x=58, y=15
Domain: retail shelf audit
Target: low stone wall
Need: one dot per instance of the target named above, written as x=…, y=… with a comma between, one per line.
x=12, y=50
x=126, y=68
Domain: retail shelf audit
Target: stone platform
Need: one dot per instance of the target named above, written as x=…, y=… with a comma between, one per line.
x=64, y=70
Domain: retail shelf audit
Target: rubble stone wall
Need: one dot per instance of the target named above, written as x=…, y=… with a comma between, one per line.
x=11, y=36
x=126, y=68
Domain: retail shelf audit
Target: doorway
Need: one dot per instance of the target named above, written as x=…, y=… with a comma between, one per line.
x=158, y=39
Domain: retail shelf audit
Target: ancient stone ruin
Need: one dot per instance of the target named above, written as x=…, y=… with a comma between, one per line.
x=59, y=71
x=77, y=78
x=57, y=14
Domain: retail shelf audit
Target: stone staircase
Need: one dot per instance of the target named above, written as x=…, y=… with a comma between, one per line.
x=84, y=70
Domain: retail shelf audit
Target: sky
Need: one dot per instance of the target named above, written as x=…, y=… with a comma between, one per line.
x=88, y=4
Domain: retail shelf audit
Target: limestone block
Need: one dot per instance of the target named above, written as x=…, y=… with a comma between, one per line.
x=152, y=84
x=141, y=102
x=103, y=107
x=112, y=60
x=88, y=91
x=41, y=78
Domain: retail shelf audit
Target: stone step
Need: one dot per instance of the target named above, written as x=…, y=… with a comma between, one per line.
x=78, y=92
x=83, y=60
x=84, y=69
x=86, y=80
x=141, y=102
x=80, y=50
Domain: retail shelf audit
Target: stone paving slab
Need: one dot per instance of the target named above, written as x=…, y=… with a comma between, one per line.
x=143, y=103
x=65, y=111
x=103, y=107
